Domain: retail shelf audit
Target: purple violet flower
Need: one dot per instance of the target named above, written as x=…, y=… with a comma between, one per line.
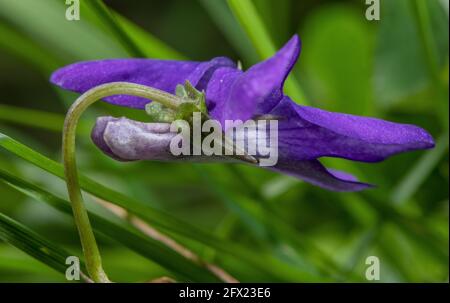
x=305, y=133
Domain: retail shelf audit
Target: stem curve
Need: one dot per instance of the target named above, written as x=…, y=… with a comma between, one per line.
x=90, y=249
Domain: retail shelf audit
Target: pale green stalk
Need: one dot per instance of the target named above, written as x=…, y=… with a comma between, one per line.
x=88, y=242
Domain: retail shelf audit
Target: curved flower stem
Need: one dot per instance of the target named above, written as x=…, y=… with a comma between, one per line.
x=88, y=242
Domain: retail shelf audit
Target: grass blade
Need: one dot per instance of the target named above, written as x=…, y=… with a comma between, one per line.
x=102, y=11
x=148, y=44
x=276, y=269
x=223, y=18
x=420, y=171
x=33, y=244
x=249, y=19
x=147, y=247
x=266, y=220
x=19, y=45
x=36, y=118
x=137, y=41
x=45, y=22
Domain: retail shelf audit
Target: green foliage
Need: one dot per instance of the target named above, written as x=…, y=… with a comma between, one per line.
x=252, y=23
x=254, y=224
x=344, y=84
x=33, y=244
x=126, y=235
x=402, y=70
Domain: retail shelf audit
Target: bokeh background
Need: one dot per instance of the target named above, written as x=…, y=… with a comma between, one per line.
x=254, y=224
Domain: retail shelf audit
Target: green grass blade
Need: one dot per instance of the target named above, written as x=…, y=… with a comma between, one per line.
x=55, y=41
x=155, y=250
x=420, y=171
x=422, y=13
x=36, y=118
x=45, y=22
x=277, y=16
x=33, y=244
x=137, y=41
x=21, y=46
x=264, y=263
x=151, y=46
x=225, y=21
x=415, y=227
x=423, y=20
x=255, y=210
x=249, y=19
x=102, y=11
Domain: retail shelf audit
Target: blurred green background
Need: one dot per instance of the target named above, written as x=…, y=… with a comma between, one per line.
x=254, y=224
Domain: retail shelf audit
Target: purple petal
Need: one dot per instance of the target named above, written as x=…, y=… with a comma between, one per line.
x=342, y=175
x=236, y=95
x=307, y=133
x=218, y=91
x=230, y=93
x=312, y=171
x=97, y=136
x=161, y=74
x=128, y=140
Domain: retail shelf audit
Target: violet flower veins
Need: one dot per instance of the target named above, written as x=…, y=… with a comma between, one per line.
x=304, y=133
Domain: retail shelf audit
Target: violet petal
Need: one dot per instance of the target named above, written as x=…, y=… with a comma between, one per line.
x=312, y=171
x=235, y=95
x=162, y=74
x=128, y=140
x=307, y=133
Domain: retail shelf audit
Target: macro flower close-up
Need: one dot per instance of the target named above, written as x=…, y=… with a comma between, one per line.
x=305, y=133
x=204, y=143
